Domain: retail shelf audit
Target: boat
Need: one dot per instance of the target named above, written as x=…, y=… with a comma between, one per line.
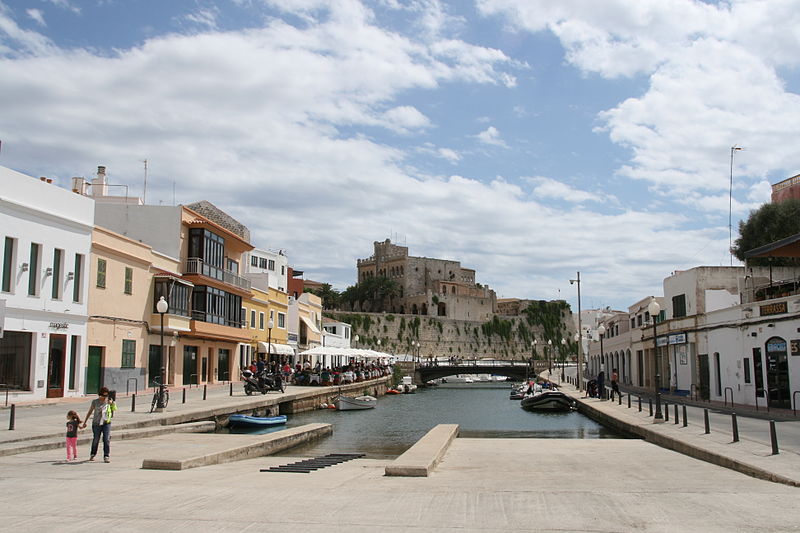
x=393, y=391
x=518, y=393
x=238, y=420
x=547, y=400
x=459, y=378
x=407, y=385
x=350, y=403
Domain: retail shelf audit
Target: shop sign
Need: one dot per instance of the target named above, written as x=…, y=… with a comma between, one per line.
x=662, y=341
x=681, y=352
x=59, y=325
x=774, y=309
x=677, y=338
x=776, y=346
x=795, y=346
x=292, y=337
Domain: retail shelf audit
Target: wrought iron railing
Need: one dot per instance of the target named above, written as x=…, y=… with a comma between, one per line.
x=195, y=265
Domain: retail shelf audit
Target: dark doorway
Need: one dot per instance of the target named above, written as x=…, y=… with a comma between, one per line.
x=55, y=366
x=153, y=365
x=223, y=368
x=704, y=376
x=778, y=374
x=758, y=372
x=94, y=366
x=190, y=365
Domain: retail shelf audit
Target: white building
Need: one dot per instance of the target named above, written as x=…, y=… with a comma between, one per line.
x=46, y=235
x=271, y=262
x=335, y=334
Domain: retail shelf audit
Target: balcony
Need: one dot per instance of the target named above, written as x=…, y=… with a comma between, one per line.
x=196, y=265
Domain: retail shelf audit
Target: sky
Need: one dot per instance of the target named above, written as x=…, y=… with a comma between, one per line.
x=528, y=139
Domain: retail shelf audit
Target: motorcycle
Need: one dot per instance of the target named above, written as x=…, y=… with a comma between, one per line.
x=261, y=382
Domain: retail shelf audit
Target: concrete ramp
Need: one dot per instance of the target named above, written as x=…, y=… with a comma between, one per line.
x=422, y=457
x=192, y=451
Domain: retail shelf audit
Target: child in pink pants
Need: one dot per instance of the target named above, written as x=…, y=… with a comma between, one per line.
x=73, y=422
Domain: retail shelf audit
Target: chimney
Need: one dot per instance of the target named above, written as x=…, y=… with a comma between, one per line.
x=42, y=178
x=80, y=186
x=99, y=184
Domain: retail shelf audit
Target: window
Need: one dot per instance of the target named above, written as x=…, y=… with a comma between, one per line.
x=176, y=294
x=271, y=265
x=253, y=261
x=101, y=273
x=128, y=353
x=262, y=262
x=33, y=270
x=57, y=268
x=758, y=370
x=746, y=364
x=76, y=281
x=8, y=264
x=717, y=374
x=260, y=320
x=283, y=270
x=679, y=306
x=216, y=306
x=253, y=318
x=210, y=248
x=128, y=280
x=281, y=320
x=244, y=316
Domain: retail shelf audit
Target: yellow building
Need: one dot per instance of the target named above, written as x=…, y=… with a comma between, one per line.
x=268, y=307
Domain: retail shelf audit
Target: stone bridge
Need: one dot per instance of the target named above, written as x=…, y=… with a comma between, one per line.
x=517, y=370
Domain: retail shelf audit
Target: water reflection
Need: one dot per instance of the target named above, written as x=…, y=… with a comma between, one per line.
x=397, y=422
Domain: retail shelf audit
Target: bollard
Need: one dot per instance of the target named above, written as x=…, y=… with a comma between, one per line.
x=650, y=401
x=231, y=393
x=773, y=437
x=13, y=415
x=734, y=427
x=184, y=395
x=677, y=418
x=684, y=416
x=133, y=402
x=640, y=404
x=205, y=387
x=666, y=412
x=619, y=401
x=705, y=420
x=629, y=401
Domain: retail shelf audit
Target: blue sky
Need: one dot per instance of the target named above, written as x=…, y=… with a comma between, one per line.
x=528, y=139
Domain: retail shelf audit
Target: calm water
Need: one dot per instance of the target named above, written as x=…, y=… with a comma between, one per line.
x=397, y=422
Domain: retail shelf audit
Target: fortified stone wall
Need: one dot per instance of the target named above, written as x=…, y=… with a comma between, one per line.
x=506, y=337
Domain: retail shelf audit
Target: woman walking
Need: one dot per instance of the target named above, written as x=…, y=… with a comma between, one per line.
x=101, y=410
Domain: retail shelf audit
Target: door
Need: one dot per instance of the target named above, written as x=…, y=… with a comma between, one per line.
x=640, y=367
x=190, y=365
x=704, y=376
x=154, y=365
x=55, y=366
x=778, y=374
x=223, y=368
x=93, y=369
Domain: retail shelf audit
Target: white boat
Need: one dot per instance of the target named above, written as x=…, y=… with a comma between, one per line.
x=458, y=378
x=407, y=385
x=350, y=403
x=547, y=400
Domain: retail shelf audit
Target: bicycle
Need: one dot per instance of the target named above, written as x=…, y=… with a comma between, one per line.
x=154, y=404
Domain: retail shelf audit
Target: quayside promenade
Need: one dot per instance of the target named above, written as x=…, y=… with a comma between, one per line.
x=480, y=485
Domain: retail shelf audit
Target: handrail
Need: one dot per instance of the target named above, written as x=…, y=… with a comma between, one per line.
x=725, y=393
x=127, y=385
x=794, y=403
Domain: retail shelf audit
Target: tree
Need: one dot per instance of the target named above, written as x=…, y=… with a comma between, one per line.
x=330, y=296
x=769, y=223
x=372, y=291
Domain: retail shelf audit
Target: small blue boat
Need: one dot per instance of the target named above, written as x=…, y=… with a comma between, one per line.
x=255, y=421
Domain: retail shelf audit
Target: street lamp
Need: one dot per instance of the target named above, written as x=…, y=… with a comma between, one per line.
x=734, y=149
x=564, y=344
x=356, y=338
x=579, y=336
x=270, y=325
x=162, y=307
x=549, y=365
x=601, y=331
x=577, y=357
x=654, y=309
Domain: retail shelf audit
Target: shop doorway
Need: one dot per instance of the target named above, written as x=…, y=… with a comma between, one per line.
x=190, y=365
x=704, y=376
x=223, y=368
x=778, y=374
x=55, y=366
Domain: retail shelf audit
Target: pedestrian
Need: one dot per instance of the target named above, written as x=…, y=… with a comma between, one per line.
x=601, y=383
x=615, y=384
x=73, y=424
x=101, y=410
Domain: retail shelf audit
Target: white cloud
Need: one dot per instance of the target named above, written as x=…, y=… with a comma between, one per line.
x=67, y=5
x=205, y=18
x=546, y=188
x=491, y=136
x=405, y=118
x=37, y=15
x=449, y=154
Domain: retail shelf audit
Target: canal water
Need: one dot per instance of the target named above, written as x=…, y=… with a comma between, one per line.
x=397, y=422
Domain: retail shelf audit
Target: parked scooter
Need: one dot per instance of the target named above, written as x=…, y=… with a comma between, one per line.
x=261, y=382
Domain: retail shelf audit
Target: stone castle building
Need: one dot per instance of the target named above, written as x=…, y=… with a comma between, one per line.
x=431, y=287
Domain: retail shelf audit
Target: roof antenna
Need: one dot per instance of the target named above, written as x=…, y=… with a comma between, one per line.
x=144, y=191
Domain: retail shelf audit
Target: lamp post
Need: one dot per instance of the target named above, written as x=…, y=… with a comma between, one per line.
x=549, y=364
x=579, y=336
x=162, y=307
x=577, y=357
x=654, y=309
x=734, y=149
x=563, y=357
x=601, y=331
x=270, y=325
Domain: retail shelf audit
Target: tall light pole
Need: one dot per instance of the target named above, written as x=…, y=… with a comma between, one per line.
x=734, y=149
x=270, y=325
x=562, y=354
x=549, y=364
x=577, y=357
x=162, y=307
x=579, y=373
x=654, y=309
x=601, y=331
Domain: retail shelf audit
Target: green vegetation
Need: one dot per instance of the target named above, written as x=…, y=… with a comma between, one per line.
x=767, y=224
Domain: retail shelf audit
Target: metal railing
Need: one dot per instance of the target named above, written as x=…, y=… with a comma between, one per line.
x=195, y=265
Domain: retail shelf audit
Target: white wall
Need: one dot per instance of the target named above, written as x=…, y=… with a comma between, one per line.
x=156, y=225
x=278, y=276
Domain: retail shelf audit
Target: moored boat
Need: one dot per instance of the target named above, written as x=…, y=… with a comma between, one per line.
x=238, y=420
x=547, y=400
x=350, y=403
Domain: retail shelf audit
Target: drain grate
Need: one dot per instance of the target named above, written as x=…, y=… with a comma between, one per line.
x=309, y=465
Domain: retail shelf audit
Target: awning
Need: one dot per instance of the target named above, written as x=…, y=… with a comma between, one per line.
x=277, y=349
x=165, y=274
x=309, y=324
x=788, y=247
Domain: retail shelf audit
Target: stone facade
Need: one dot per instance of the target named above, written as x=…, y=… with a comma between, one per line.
x=428, y=286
